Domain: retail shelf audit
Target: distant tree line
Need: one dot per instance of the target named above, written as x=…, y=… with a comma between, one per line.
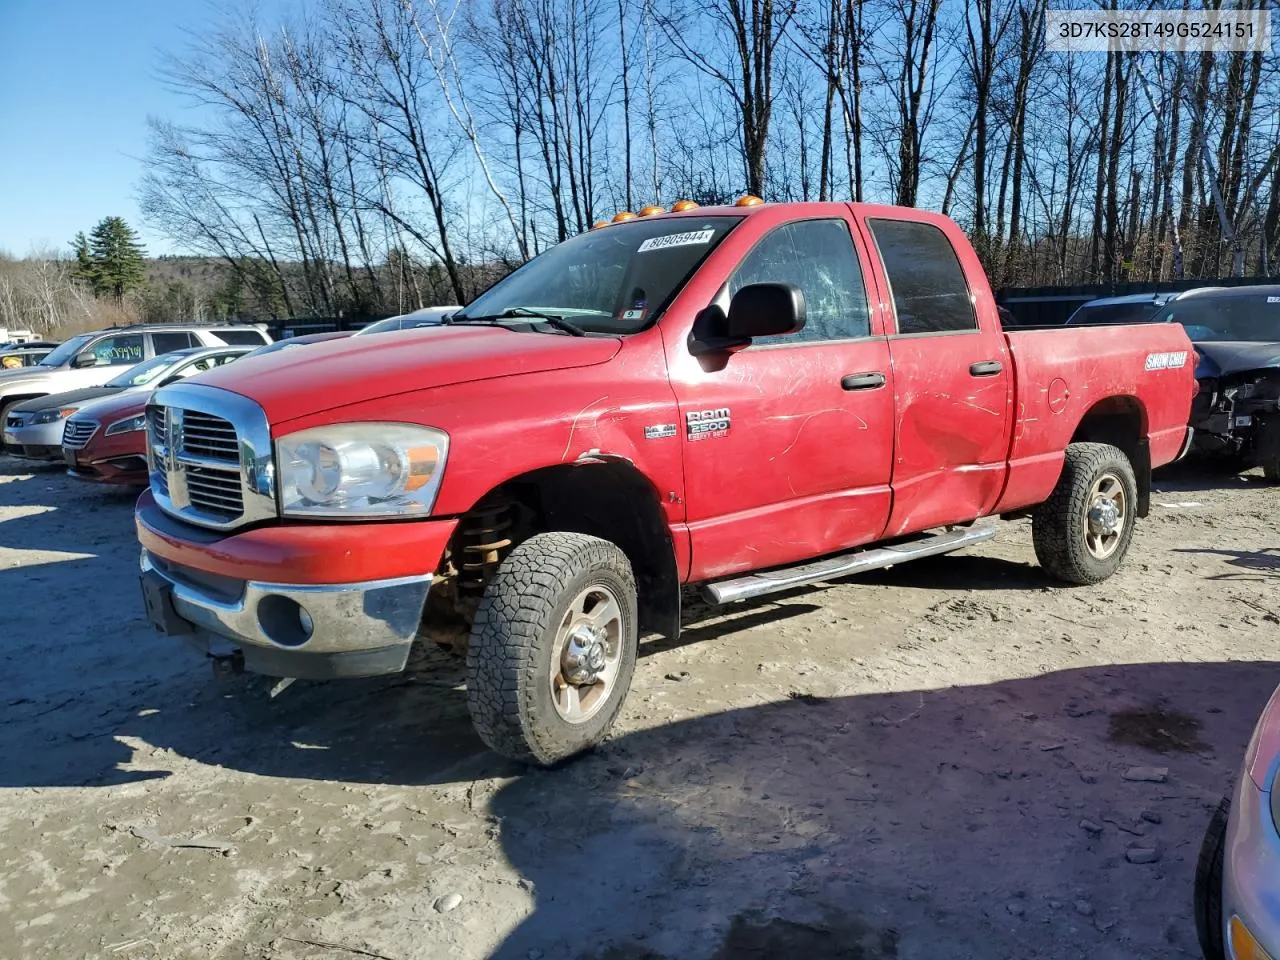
x=370, y=156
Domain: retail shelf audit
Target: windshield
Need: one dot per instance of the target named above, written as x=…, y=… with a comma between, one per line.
x=616, y=279
x=1254, y=317
x=66, y=351
x=1140, y=312
x=146, y=371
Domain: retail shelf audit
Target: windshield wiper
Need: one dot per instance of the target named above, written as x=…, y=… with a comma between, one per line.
x=521, y=313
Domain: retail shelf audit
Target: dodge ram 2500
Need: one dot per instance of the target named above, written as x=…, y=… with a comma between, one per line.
x=745, y=398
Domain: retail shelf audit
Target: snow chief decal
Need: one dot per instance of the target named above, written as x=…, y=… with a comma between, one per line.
x=1166, y=361
x=705, y=424
x=691, y=239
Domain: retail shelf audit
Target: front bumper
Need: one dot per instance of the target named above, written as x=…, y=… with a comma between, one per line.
x=42, y=441
x=1251, y=867
x=363, y=586
x=120, y=458
x=311, y=631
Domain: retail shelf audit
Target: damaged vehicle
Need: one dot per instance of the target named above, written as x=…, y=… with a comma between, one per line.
x=1236, y=335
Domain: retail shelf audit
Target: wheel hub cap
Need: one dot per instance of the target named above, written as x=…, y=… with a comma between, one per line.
x=1104, y=516
x=584, y=655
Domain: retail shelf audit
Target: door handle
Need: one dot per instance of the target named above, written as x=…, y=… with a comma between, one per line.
x=862, y=381
x=988, y=368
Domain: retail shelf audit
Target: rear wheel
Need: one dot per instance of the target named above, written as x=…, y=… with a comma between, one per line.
x=1208, y=888
x=553, y=648
x=1082, y=532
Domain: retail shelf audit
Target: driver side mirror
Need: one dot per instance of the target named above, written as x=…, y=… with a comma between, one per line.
x=83, y=360
x=757, y=310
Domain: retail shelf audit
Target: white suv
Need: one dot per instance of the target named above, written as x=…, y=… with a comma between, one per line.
x=91, y=359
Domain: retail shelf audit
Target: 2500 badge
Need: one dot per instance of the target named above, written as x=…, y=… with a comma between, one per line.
x=705, y=424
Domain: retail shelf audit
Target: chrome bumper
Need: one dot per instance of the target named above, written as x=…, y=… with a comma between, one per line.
x=298, y=630
x=1251, y=866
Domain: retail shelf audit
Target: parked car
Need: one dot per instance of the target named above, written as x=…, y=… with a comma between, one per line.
x=91, y=359
x=1131, y=308
x=1236, y=335
x=104, y=439
x=34, y=428
x=1237, y=885
x=424, y=317
x=13, y=357
x=747, y=398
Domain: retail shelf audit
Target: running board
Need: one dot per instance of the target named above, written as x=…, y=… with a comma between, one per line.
x=860, y=561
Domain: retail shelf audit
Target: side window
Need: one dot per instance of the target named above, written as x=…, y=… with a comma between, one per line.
x=818, y=257
x=930, y=294
x=122, y=350
x=165, y=342
x=248, y=337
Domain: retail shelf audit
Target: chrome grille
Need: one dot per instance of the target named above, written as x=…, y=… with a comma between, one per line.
x=78, y=432
x=208, y=436
x=209, y=456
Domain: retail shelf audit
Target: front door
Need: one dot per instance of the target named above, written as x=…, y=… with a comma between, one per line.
x=788, y=441
x=951, y=380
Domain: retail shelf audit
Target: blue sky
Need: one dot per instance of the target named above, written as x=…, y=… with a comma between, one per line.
x=77, y=81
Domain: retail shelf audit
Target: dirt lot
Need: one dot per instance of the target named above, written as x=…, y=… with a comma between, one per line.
x=925, y=763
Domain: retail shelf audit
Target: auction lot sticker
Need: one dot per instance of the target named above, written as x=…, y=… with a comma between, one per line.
x=691, y=239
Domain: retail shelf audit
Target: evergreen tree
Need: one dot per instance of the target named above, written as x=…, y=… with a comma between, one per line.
x=84, y=269
x=111, y=260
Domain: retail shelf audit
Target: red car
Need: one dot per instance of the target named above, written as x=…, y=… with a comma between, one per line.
x=744, y=398
x=107, y=442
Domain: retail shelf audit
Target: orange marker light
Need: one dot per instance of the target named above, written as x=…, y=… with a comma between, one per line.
x=624, y=215
x=599, y=223
x=681, y=205
x=748, y=201
x=649, y=211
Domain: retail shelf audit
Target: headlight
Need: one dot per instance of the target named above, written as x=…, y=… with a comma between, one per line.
x=128, y=426
x=361, y=470
x=53, y=416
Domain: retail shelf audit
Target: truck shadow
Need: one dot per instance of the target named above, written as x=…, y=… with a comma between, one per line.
x=1249, y=564
x=1204, y=474
x=885, y=825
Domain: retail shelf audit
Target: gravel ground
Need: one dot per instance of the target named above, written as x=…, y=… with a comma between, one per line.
x=933, y=761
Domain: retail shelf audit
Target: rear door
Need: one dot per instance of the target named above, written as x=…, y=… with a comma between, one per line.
x=952, y=377
x=787, y=450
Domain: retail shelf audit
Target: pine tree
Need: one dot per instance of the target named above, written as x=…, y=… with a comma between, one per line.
x=85, y=269
x=117, y=259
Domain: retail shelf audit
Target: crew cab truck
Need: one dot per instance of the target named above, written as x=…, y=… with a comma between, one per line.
x=746, y=398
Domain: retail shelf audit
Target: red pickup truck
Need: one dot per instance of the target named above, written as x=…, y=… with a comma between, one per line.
x=746, y=398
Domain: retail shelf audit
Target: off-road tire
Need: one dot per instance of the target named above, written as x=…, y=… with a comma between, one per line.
x=510, y=648
x=1057, y=530
x=1208, y=885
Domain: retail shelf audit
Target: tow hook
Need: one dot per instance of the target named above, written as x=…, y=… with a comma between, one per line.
x=227, y=664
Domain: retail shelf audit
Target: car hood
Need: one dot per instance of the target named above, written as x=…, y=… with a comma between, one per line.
x=293, y=383
x=1221, y=358
x=68, y=399
x=120, y=405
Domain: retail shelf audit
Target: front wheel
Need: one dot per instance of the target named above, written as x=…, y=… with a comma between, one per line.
x=1208, y=884
x=1082, y=532
x=553, y=648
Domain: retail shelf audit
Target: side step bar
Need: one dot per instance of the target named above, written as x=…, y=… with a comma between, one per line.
x=859, y=561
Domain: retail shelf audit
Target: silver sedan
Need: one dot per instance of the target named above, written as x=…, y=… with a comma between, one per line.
x=1237, y=896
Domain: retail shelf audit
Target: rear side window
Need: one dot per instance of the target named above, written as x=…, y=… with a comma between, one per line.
x=248, y=337
x=166, y=342
x=818, y=257
x=930, y=293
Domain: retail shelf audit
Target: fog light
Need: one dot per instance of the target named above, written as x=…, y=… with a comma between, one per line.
x=304, y=618
x=1243, y=945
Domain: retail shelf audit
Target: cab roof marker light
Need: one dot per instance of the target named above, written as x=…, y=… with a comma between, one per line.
x=622, y=216
x=652, y=210
x=682, y=205
x=748, y=201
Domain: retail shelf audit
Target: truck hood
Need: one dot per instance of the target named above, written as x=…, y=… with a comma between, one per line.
x=68, y=399
x=1221, y=358
x=293, y=383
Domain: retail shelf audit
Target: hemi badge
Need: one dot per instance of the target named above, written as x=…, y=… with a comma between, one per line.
x=659, y=431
